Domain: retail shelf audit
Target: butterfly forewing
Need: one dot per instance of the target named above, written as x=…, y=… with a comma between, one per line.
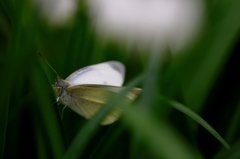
x=107, y=73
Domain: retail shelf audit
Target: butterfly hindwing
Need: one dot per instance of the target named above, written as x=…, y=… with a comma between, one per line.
x=131, y=95
x=88, y=99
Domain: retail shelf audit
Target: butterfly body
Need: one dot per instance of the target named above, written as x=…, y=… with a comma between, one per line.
x=86, y=90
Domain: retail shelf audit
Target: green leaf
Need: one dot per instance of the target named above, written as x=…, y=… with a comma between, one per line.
x=196, y=118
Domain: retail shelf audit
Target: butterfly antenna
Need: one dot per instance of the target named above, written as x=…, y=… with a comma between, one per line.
x=48, y=63
x=63, y=111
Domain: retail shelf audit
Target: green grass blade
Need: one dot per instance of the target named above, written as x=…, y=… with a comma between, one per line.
x=160, y=138
x=208, y=59
x=47, y=115
x=87, y=131
x=196, y=118
x=233, y=153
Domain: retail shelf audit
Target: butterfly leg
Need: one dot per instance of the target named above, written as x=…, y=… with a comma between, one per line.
x=63, y=111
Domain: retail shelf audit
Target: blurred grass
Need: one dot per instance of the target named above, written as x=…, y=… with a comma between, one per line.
x=30, y=125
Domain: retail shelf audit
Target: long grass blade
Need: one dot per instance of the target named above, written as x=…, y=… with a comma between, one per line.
x=158, y=135
x=196, y=118
x=87, y=131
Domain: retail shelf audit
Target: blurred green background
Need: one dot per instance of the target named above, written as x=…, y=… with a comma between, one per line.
x=204, y=78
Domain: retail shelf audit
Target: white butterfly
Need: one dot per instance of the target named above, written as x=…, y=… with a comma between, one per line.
x=86, y=90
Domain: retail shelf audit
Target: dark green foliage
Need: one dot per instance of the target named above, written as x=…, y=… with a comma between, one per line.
x=163, y=123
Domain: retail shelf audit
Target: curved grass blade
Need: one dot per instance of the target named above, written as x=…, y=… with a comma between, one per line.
x=158, y=136
x=87, y=131
x=234, y=153
x=180, y=107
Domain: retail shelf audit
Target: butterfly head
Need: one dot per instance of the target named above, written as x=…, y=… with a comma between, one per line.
x=60, y=87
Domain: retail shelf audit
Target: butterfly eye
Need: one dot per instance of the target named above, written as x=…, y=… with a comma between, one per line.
x=58, y=90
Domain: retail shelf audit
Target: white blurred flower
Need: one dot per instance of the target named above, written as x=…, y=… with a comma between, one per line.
x=57, y=12
x=148, y=22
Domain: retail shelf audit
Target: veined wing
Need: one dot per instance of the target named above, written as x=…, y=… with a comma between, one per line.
x=131, y=95
x=107, y=73
x=88, y=99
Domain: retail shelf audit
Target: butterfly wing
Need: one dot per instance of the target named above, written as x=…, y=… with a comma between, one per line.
x=88, y=99
x=107, y=73
x=131, y=95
